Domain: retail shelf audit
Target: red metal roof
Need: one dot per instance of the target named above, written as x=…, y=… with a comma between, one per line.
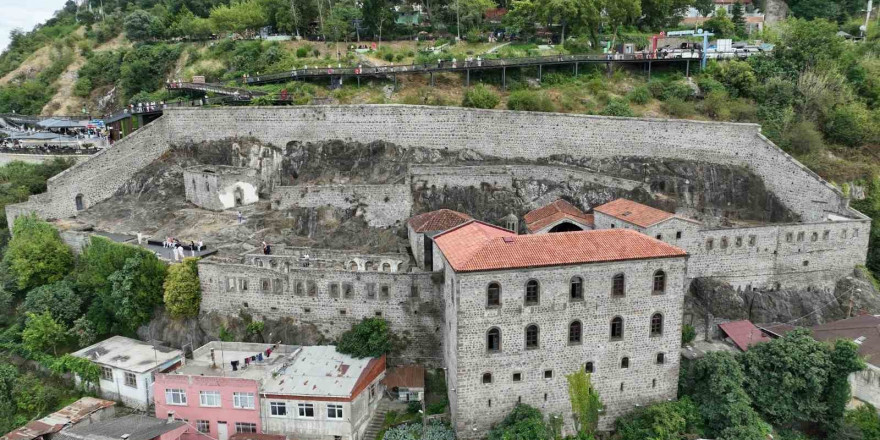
x=408, y=376
x=558, y=210
x=634, y=212
x=477, y=246
x=743, y=333
x=439, y=220
x=70, y=414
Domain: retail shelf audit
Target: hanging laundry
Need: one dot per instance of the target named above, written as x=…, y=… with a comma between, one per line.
x=234, y=365
x=268, y=352
x=253, y=358
x=260, y=357
x=247, y=361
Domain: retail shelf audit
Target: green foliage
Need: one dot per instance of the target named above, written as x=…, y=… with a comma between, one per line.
x=661, y=421
x=528, y=100
x=585, y=402
x=436, y=430
x=18, y=180
x=59, y=299
x=302, y=52
x=865, y=418
x=255, y=327
x=639, y=95
x=720, y=24
x=83, y=331
x=617, y=107
x=523, y=423
x=32, y=396
x=140, y=25
x=225, y=335
x=242, y=17
x=738, y=77
x=369, y=338
x=480, y=96
x=688, y=334
x=42, y=332
x=665, y=90
x=803, y=138
x=36, y=255
x=143, y=69
x=183, y=292
x=851, y=125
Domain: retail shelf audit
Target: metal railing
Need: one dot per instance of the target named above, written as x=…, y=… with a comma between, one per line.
x=213, y=88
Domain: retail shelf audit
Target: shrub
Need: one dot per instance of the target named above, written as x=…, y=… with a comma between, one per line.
x=527, y=100
x=302, y=52
x=708, y=85
x=717, y=105
x=59, y=299
x=578, y=45
x=398, y=57
x=480, y=96
x=555, y=78
x=849, y=125
x=743, y=110
x=617, y=107
x=667, y=420
x=639, y=95
x=688, y=334
x=865, y=419
x=388, y=56
x=36, y=255
x=804, y=138
x=596, y=85
x=678, y=108
x=183, y=293
x=368, y=338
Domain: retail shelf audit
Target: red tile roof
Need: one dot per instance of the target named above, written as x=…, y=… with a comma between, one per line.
x=439, y=220
x=552, y=213
x=743, y=333
x=408, y=376
x=477, y=246
x=634, y=212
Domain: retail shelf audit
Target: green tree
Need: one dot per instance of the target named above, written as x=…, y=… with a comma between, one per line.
x=585, y=402
x=845, y=360
x=659, y=14
x=59, y=299
x=84, y=331
x=242, y=17
x=806, y=44
x=136, y=290
x=705, y=7
x=8, y=376
x=42, y=332
x=183, y=293
x=720, y=24
x=33, y=397
x=739, y=19
x=368, y=338
x=523, y=423
x=480, y=96
x=661, y=421
x=140, y=25
x=339, y=24
x=865, y=418
x=377, y=14
x=36, y=255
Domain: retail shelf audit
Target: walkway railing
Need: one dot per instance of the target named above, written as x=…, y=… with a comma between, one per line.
x=213, y=88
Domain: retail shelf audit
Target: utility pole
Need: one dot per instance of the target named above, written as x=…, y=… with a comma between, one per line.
x=868, y=18
x=424, y=415
x=458, y=20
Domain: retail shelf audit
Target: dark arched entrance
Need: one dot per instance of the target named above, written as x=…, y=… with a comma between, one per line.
x=566, y=227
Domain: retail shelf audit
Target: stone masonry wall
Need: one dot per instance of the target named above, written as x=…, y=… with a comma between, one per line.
x=382, y=205
x=504, y=176
x=331, y=299
x=621, y=389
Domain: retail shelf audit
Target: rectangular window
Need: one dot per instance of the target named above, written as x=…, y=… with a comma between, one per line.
x=131, y=380
x=306, y=410
x=384, y=292
x=247, y=428
x=800, y=236
x=265, y=284
x=826, y=234
x=414, y=291
x=203, y=426
x=789, y=236
x=278, y=285
x=334, y=290
x=517, y=377
x=243, y=400
x=371, y=290
x=230, y=284
x=334, y=411
x=678, y=235
x=738, y=241
x=548, y=374
x=106, y=373
x=710, y=243
x=278, y=409
x=753, y=240
x=347, y=290
x=175, y=396
x=209, y=398
x=243, y=284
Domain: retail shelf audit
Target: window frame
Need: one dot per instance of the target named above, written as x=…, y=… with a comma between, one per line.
x=303, y=408
x=497, y=302
x=590, y=367
x=660, y=275
x=203, y=394
x=245, y=428
x=580, y=332
x=488, y=345
x=618, y=291
x=624, y=362
x=659, y=325
x=537, y=293
x=621, y=323
x=576, y=288
x=336, y=409
x=107, y=373
x=486, y=378
x=203, y=426
x=247, y=396
x=129, y=379
x=277, y=409
x=660, y=358
x=179, y=392
x=537, y=338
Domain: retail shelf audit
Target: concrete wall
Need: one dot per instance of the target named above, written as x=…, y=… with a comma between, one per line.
x=621, y=389
x=138, y=397
x=865, y=385
x=380, y=205
x=504, y=176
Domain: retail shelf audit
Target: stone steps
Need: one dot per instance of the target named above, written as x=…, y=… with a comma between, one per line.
x=377, y=421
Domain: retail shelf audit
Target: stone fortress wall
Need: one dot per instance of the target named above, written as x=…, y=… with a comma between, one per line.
x=381, y=205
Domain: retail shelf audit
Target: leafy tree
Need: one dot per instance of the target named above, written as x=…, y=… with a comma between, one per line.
x=739, y=18
x=850, y=125
x=242, y=17
x=140, y=25
x=807, y=44
x=59, y=299
x=845, y=360
x=84, y=331
x=368, y=338
x=377, y=14
x=523, y=423
x=659, y=14
x=585, y=402
x=36, y=254
x=33, y=396
x=661, y=421
x=738, y=77
x=720, y=24
x=136, y=290
x=143, y=69
x=865, y=418
x=8, y=376
x=339, y=25
x=480, y=96
x=471, y=12
x=705, y=7
x=42, y=332
x=183, y=293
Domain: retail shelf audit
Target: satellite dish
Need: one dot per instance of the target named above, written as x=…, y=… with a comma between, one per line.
x=699, y=31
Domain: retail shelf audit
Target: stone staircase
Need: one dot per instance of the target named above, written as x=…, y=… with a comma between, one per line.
x=377, y=421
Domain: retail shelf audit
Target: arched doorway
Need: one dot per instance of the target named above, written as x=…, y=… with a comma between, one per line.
x=80, y=204
x=238, y=194
x=566, y=227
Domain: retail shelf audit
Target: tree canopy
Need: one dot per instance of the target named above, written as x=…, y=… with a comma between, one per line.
x=36, y=255
x=369, y=338
x=183, y=292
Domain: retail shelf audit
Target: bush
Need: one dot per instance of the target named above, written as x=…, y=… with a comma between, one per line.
x=849, y=125
x=678, y=108
x=183, y=293
x=617, y=107
x=388, y=56
x=578, y=45
x=302, y=52
x=716, y=105
x=865, y=419
x=36, y=255
x=59, y=299
x=707, y=85
x=688, y=334
x=527, y=100
x=596, y=85
x=523, y=422
x=480, y=96
x=667, y=420
x=804, y=138
x=639, y=95
x=368, y=338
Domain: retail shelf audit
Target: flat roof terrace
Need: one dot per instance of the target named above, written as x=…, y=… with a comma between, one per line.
x=224, y=353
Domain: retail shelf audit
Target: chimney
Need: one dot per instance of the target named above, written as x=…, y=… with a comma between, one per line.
x=170, y=417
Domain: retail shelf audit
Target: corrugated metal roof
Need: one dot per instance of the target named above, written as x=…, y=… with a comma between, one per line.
x=743, y=333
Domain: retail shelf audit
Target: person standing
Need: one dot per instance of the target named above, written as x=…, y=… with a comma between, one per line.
x=240, y=217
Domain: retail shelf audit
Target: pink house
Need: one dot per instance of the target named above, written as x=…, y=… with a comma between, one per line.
x=216, y=398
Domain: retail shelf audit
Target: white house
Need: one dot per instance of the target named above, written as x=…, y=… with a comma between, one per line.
x=127, y=368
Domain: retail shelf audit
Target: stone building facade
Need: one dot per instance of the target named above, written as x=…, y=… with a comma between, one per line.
x=221, y=187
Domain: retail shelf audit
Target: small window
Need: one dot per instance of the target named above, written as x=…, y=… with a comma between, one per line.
x=245, y=428
x=576, y=289
x=656, y=324
x=612, y=226
x=843, y=233
x=368, y=265
x=589, y=368
x=855, y=233
x=300, y=289
x=659, y=236
x=724, y=243
x=661, y=358
x=678, y=235
x=517, y=377
x=386, y=267
x=203, y=426
x=532, y=293
x=384, y=292
x=378, y=313
x=259, y=263
x=493, y=340
x=413, y=291
x=334, y=411
x=487, y=378
x=710, y=244
x=531, y=337
x=278, y=409
x=659, y=282
x=814, y=236
x=106, y=373
x=826, y=234
x=752, y=240
x=493, y=295
x=131, y=380
x=306, y=410
x=371, y=290
x=307, y=310
x=313, y=288
x=265, y=284
x=618, y=285
x=548, y=374
x=334, y=290
x=789, y=236
x=617, y=328
x=243, y=284
x=624, y=362
x=806, y=263
x=738, y=241
x=621, y=386
x=353, y=266
x=342, y=312
x=574, y=332
x=490, y=403
x=800, y=236
x=347, y=290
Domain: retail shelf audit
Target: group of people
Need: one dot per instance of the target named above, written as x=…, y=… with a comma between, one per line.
x=177, y=248
x=14, y=146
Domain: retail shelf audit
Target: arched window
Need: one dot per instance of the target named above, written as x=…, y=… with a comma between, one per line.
x=487, y=378
x=386, y=267
x=575, y=330
x=624, y=362
x=493, y=295
x=532, y=293
x=576, y=289
x=353, y=266
x=661, y=358
x=656, y=324
x=259, y=263
x=659, y=281
x=618, y=285
x=589, y=368
x=617, y=328
x=493, y=340
x=532, y=336
x=368, y=265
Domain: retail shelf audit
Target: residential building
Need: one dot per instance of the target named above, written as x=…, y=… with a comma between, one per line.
x=82, y=412
x=127, y=368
